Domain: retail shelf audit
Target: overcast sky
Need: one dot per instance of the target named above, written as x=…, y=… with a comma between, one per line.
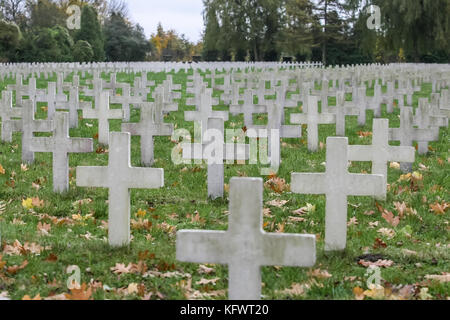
x=184, y=16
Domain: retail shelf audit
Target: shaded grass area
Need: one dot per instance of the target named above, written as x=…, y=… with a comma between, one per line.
x=175, y=207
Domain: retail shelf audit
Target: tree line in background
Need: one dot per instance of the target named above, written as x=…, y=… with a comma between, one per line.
x=330, y=31
x=37, y=31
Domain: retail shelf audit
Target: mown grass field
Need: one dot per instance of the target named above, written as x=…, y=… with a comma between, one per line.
x=75, y=232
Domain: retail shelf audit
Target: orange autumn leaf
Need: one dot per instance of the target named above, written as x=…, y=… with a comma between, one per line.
x=2, y=170
x=439, y=208
x=390, y=218
x=37, y=203
x=27, y=297
x=14, y=269
x=83, y=293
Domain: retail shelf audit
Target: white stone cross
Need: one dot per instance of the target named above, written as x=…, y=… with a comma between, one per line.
x=337, y=184
x=342, y=110
x=60, y=144
x=248, y=108
x=7, y=112
x=407, y=134
x=205, y=112
x=103, y=113
x=374, y=103
x=274, y=130
x=28, y=126
x=151, y=125
x=214, y=150
x=245, y=247
x=119, y=177
x=313, y=119
x=380, y=152
x=125, y=100
x=424, y=119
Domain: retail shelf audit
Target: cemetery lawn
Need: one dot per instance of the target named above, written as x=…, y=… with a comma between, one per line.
x=43, y=233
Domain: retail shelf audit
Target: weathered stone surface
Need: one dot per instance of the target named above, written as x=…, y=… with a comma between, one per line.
x=119, y=177
x=245, y=247
x=337, y=184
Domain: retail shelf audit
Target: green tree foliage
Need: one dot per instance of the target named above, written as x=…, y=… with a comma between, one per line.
x=124, y=42
x=46, y=14
x=91, y=32
x=10, y=37
x=82, y=52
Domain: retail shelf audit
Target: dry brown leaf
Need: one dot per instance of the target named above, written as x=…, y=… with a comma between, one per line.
x=207, y=281
x=389, y=233
x=380, y=263
x=277, y=203
x=439, y=208
x=27, y=297
x=359, y=293
x=295, y=290
x=83, y=293
x=202, y=269
x=44, y=228
x=390, y=218
x=319, y=274
x=277, y=184
x=14, y=269
x=120, y=268
x=443, y=278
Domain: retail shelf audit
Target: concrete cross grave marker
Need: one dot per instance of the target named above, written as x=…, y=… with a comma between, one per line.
x=245, y=247
x=337, y=184
x=28, y=126
x=312, y=120
x=8, y=112
x=215, y=151
x=342, y=110
x=60, y=144
x=248, y=108
x=205, y=112
x=103, y=114
x=151, y=125
x=407, y=134
x=424, y=119
x=125, y=100
x=374, y=103
x=119, y=177
x=380, y=152
x=274, y=130
x=359, y=98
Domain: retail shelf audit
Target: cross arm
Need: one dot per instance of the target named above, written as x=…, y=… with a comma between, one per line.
x=308, y=183
x=81, y=145
x=299, y=118
x=402, y=154
x=133, y=128
x=92, y=177
x=366, y=185
x=199, y=246
x=289, y=250
x=145, y=178
x=42, y=144
x=361, y=153
x=42, y=125
x=426, y=134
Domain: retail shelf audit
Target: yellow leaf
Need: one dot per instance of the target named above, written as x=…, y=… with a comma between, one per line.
x=2, y=170
x=359, y=293
x=27, y=203
x=141, y=213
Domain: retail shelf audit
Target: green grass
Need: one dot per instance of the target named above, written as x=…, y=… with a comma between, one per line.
x=185, y=194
